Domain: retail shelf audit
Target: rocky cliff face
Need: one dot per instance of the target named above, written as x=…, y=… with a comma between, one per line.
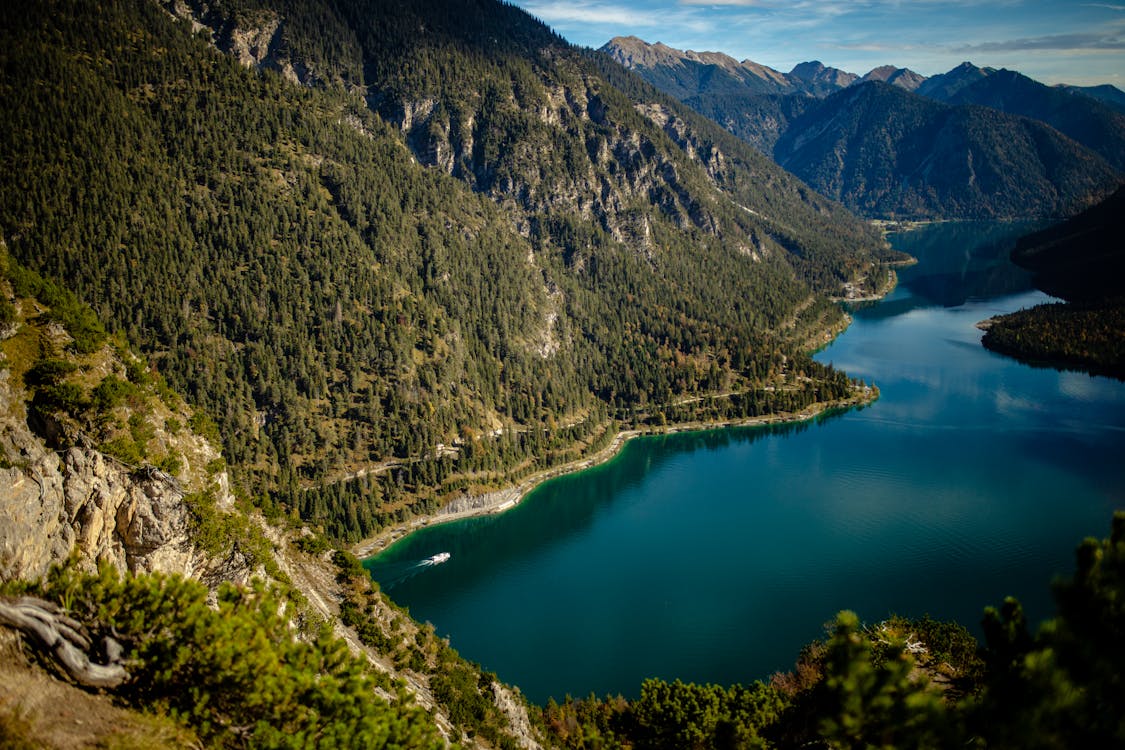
x=260, y=39
x=53, y=502
x=59, y=495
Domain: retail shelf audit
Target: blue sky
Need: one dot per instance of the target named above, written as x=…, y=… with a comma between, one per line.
x=1053, y=41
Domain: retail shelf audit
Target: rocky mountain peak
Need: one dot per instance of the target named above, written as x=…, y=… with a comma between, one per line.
x=822, y=79
x=808, y=70
x=904, y=78
x=945, y=85
x=632, y=51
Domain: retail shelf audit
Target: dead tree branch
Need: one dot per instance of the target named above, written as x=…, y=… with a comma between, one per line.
x=63, y=640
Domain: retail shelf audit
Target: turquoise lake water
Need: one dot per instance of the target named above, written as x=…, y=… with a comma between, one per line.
x=715, y=556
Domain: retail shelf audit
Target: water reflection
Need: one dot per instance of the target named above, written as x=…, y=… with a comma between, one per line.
x=556, y=512
x=957, y=263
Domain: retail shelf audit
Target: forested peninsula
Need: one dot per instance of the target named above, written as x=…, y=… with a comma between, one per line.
x=1081, y=260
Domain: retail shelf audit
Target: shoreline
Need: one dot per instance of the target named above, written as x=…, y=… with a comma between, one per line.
x=493, y=503
x=499, y=501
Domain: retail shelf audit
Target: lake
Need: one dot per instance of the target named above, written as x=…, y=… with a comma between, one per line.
x=715, y=556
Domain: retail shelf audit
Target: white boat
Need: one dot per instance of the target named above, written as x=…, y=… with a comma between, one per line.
x=437, y=559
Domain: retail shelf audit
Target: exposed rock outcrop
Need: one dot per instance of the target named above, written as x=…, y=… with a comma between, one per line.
x=79, y=499
x=259, y=39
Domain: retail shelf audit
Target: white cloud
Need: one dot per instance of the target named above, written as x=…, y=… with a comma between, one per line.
x=1096, y=41
x=874, y=47
x=624, y=17
x=736, y=3
x=558, y=11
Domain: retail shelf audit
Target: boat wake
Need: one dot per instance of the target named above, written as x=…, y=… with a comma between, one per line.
x=392, y=574
x=437, y=559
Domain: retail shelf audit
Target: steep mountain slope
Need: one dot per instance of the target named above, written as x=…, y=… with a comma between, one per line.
x=630, y=139
x=386, y=309
x=99, y=461
x=758, y=120
x=1083, y=258
x=886, y=152
x=117, y=519
x=1088, y=121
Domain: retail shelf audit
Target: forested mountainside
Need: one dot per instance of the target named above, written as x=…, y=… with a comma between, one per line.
x=887, y=153
x=1085, y=119
x=1081, y=260
x=494, y=98
x=760, y=120
x=906, y=156
x=128, y=568
x=374, y=335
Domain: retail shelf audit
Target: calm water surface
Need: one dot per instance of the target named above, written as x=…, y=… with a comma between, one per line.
x=715, y=556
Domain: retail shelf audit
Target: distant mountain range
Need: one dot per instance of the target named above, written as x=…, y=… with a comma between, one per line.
x=1089, y=121
x=685, y=73
x=971, y=143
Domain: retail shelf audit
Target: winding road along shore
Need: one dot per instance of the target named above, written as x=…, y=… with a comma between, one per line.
x=499, y=501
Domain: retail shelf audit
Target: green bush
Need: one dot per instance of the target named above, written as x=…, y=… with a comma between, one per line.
x=111, y=393
x=675, y=714
x=203, y=425
x=141, y=430
x=65, y=397
x=7, y=312
x=48, y=371
x=313, y=544
x=170, y=464
x=123, y=449
x=235, y=673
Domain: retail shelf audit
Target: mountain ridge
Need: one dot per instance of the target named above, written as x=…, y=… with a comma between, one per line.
x=914, y=155
x=635, y=53
x=1085, y=119
x=908, y=156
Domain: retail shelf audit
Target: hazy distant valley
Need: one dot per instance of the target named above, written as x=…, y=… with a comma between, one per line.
x=972, y=143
